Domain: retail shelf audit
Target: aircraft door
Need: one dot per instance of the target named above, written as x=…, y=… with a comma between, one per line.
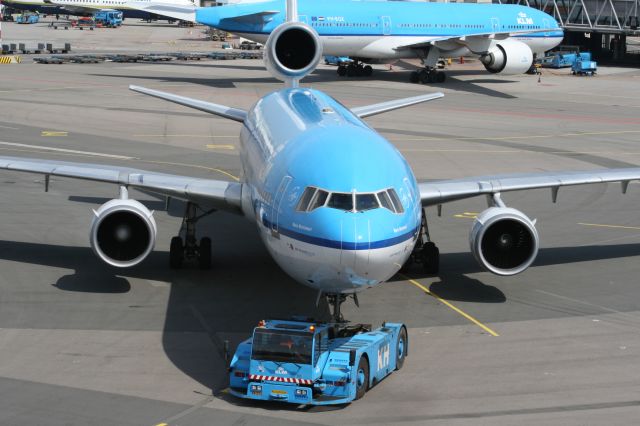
x=277, y=204
x=386, y=25
x=495, y=25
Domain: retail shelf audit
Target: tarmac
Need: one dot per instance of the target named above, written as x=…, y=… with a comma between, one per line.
x=83, y=343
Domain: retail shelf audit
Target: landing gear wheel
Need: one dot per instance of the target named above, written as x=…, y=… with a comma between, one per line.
x=362, y=377
x=413, y=77
x=440, y=77
x=430, y=258
x=176, y=253
x=401, y=348
x=423, y=76
x=204, y=255
x=352, y=71
x=367, y=71
x=342, y=71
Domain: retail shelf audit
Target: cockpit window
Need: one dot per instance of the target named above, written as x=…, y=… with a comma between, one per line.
x=319, y=199
x=313, y=198
x=366, y=202
x=305, y=200
x=385, y=201
x=395, y=200
x=341, y=201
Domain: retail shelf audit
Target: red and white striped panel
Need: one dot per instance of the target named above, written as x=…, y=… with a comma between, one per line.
x=281, y=379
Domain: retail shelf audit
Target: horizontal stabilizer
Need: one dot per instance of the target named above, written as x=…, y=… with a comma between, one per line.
x=184, y=13
x=366, y=111
x=216, y=109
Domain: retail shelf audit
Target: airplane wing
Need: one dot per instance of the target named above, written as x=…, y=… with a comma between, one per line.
x=474, y=41
x=369, y=110
x=183, y=13
x=70, y=8
x=443, y=191
x=211, y=193
x=234, y=114
x=253, y=18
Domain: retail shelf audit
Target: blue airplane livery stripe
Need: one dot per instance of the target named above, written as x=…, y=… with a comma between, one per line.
x=344, y=245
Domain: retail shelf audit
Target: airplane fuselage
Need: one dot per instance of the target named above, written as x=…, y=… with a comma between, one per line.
x=301, y=143
x=374, y=30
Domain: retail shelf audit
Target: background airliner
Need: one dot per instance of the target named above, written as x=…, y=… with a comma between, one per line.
x=87, y=7
x=337, y=205
x=504, y=37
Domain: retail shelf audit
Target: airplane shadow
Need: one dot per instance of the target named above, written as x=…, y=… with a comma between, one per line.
x=204, y=308
x=454, y=283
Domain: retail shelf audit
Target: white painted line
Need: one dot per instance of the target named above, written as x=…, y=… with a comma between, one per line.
x=8, y=127
x=68, y=151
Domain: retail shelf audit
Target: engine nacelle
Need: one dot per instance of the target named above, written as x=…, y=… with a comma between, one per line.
x=508, y=57
x=292, y=51
x=123, y=232
x=504, y=241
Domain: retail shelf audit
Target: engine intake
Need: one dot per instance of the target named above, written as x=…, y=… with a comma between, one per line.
x=504, y=240
x=123, y=232
x=292, y=51
x=508, y=57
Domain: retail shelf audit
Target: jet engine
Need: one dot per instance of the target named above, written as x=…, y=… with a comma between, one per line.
x=503, y=240
x=292, y=51
x=508, y=57
x=123, y=232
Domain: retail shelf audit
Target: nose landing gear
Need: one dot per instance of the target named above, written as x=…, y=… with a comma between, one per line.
x=189, y=249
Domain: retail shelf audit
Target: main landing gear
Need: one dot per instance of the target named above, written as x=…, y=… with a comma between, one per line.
x=188, y=249
x=427, y=75
x=355, y=69
x=425, y=251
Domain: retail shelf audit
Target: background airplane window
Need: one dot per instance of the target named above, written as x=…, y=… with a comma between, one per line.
x=395, y=200
x=319, y=199
x=341, y=201
x=366, y=202
x=305, y=200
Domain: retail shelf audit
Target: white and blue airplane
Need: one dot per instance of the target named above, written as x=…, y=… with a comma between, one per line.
x=337, y=205
x=504, y=37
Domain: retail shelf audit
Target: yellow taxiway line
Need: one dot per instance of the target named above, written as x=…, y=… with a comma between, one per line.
x=609, y=226
x=451, y=306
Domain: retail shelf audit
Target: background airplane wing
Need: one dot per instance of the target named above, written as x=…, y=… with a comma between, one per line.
x=443, y=191
x=211, y=193
x=476, y=40
x=184, y=13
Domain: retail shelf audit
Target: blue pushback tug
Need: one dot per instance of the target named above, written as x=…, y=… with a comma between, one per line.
x=304, y=362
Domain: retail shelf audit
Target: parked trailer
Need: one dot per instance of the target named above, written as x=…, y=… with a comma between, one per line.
x=27, y=18
x=584, y=67
x=305, y=362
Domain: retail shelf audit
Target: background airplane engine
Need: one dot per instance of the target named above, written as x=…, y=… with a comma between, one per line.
x=123, y=232
x=508, y=57
x=503, y=240
x=292, y=51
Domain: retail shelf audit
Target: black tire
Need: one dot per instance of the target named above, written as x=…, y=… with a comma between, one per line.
x=413, y=77
x=440, y=77
x=362, y=377
x=204, y=255
x=176, y=253
x=352, y=71
x=401, y=348
x=431, y=258
x=367, y=71
x=424, y=76
x=342, y=71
